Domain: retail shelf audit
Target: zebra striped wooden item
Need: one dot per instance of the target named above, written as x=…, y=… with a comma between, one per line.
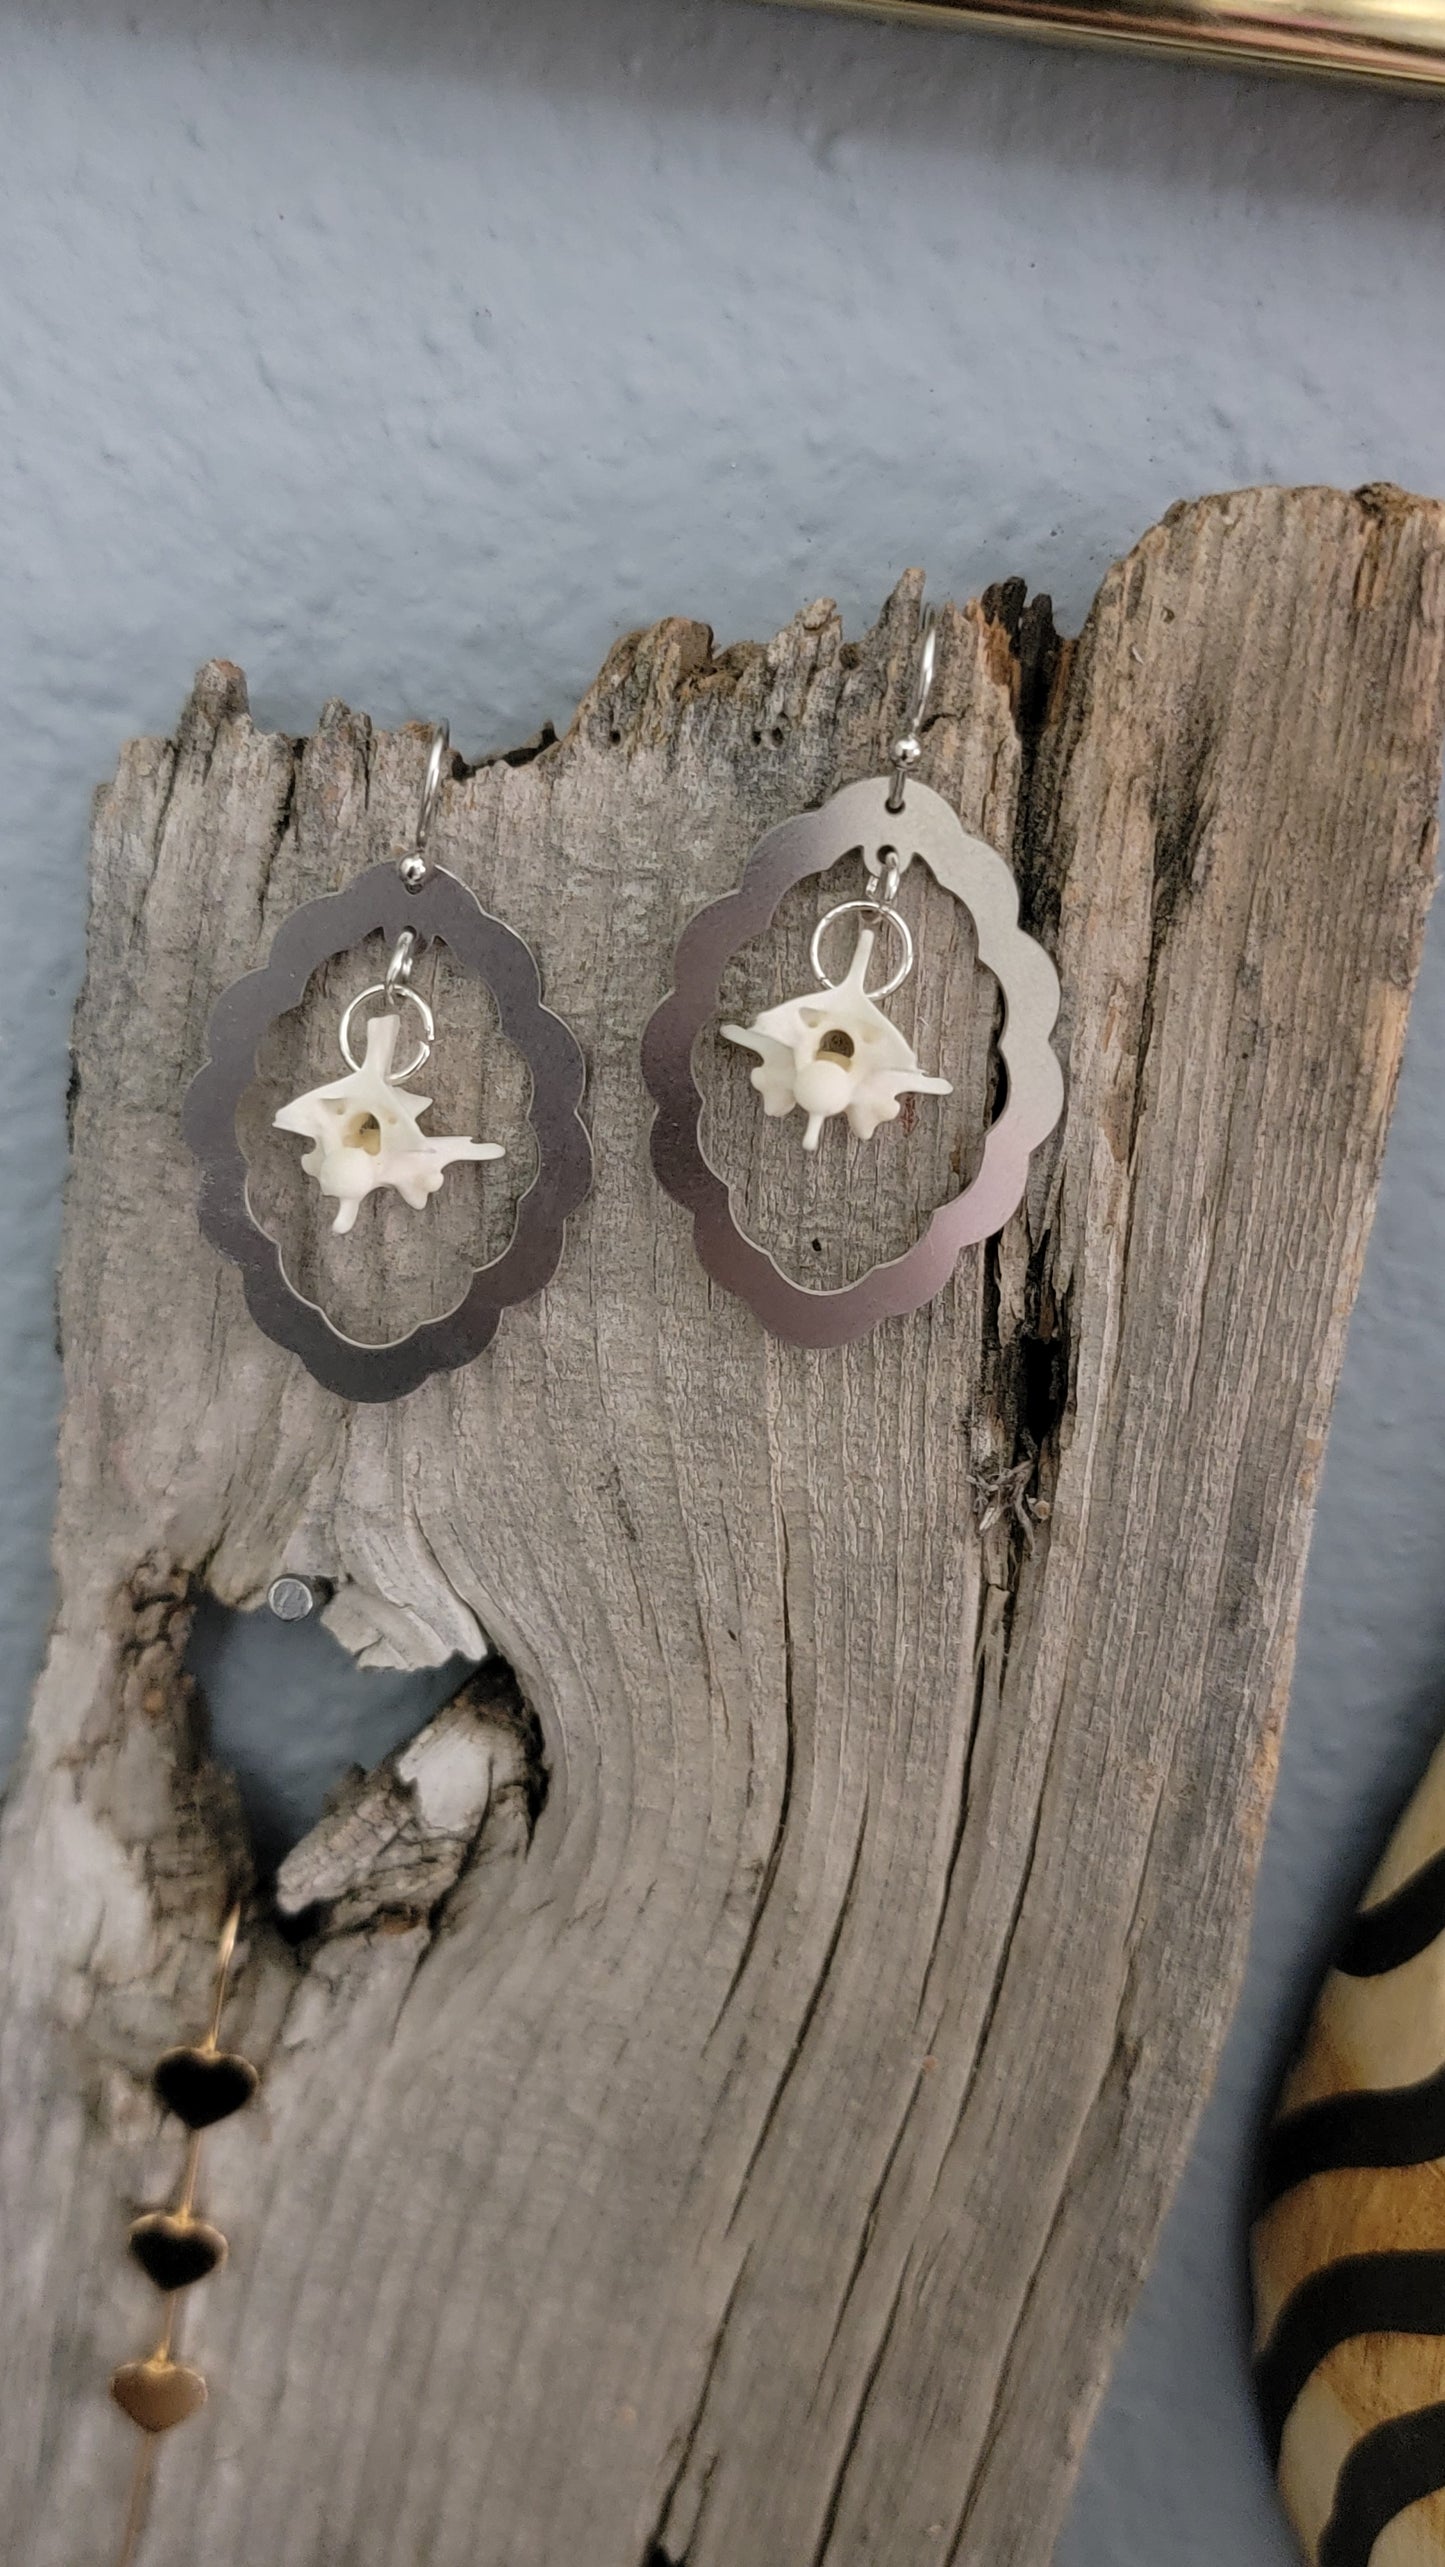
x=1349, y=2235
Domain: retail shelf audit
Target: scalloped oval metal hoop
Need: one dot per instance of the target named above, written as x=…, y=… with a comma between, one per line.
x=930, y=830
x=441, y=909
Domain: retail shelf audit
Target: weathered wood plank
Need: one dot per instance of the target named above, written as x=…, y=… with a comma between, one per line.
x=760, y=2162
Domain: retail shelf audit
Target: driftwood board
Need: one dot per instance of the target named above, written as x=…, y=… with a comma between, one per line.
x=752, y=2162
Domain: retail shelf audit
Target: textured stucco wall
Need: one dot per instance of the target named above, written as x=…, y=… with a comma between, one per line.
x=410, y=354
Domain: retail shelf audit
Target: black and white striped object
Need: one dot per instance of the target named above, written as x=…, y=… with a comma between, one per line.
x=1348, y=2245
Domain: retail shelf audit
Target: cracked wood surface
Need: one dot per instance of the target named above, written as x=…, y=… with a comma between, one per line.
x=748, y=2156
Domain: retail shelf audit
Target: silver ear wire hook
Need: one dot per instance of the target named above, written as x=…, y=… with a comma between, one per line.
x=416, y=867
x=907, y=751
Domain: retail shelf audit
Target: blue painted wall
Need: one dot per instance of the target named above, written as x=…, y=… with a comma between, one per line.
x=411, y=354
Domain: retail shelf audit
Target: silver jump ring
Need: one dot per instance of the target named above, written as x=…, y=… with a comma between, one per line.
x=414, y=998
x=886, y=917
x=398, y=969
x=416, y=867
x=884, y=870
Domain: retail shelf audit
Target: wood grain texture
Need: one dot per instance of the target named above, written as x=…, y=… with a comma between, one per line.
x=753, y=2164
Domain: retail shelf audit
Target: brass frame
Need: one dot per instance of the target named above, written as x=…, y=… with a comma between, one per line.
x=1399, y=42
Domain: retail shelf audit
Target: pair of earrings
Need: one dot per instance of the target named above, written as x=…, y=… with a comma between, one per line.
x=828, y=1052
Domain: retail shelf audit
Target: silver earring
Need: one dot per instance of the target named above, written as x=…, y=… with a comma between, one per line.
x=364, y=1128
x=833, y=1052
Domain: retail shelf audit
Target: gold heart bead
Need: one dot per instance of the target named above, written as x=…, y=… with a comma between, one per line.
x=158, y=2393
x=176, y=2248
x=202, y=2086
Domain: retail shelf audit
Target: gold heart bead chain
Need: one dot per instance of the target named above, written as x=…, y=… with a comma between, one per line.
x=202, y=2084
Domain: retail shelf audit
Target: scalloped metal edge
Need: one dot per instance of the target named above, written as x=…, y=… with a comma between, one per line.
x=442, y=909
x=975, y=873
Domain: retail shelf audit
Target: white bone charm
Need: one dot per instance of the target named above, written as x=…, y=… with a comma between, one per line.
x=834, y=1052
x=365, y=1129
